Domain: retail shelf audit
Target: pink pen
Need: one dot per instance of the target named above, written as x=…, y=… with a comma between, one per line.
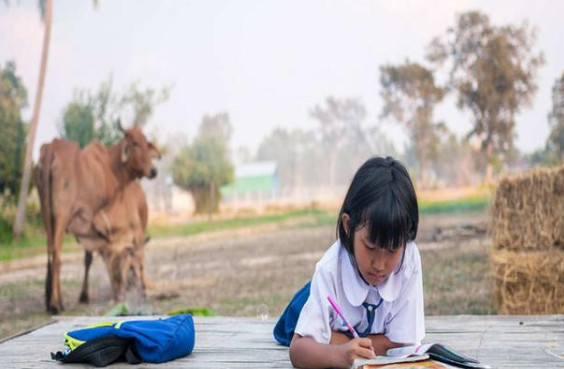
x=338, y=311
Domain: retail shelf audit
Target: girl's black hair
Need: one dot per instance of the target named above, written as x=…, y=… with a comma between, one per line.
x=381, y=195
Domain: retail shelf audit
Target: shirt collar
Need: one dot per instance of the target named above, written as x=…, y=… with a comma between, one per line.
x=356, y=289
x=390, y=288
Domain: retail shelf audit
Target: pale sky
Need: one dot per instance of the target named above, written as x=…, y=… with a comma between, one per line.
x=266, y=63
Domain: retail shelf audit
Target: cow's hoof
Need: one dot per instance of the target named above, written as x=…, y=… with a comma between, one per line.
x=83, y=299
x=54, y=309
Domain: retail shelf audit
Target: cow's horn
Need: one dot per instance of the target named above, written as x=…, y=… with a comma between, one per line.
x=120, y=126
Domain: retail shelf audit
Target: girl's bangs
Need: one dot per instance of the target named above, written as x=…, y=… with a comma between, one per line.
x=388, y=222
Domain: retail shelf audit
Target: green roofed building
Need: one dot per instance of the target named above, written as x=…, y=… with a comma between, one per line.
x=254, y=183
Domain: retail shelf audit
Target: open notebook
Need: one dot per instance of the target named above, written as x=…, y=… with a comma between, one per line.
x=439, y=352
x=429, y=356
x=392, y=362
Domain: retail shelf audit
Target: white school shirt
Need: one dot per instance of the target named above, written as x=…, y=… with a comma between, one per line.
x=400, y=317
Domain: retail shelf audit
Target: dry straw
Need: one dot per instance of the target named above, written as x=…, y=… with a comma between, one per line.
x=528, y=282
x=527, y=254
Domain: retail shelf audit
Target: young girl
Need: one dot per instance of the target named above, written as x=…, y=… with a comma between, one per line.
x=373, y=273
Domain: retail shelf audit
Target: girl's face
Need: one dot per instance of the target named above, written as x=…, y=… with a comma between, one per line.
x=374, y=263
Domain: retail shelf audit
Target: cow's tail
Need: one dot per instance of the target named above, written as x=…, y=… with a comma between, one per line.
x=43, y=179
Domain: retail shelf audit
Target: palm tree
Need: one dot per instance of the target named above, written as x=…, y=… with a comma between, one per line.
x=46, y=7
x=47, y=16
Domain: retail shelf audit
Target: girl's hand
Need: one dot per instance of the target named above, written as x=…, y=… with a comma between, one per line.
x=356, y=348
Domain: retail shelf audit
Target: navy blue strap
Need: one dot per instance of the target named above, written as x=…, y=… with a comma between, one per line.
x=370, y=313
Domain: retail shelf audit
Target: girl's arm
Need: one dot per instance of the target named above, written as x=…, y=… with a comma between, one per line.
x=305, y=352
x=380, y=343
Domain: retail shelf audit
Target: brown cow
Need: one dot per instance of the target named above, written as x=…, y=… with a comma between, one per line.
x=74, y=184
x=121, y=226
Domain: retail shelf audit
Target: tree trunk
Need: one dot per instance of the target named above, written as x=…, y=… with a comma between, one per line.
x=489, y=166
x=212, y=202
x=206, y=199
x=19, y=222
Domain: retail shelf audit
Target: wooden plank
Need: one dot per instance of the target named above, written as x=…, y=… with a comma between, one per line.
x=228, y=342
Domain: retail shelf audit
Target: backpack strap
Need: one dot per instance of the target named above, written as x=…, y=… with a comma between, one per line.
x=131, y=355
x=99, y=352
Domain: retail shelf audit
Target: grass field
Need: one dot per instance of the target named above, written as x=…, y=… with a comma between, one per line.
x=247, y=267
x=34, y=240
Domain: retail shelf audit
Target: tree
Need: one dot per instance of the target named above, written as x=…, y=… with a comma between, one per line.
x=410, y=95
x=78, y=123
x=13, y=98
x=46, y=7
x=340, y=124
x=93, y=116
x=203, y=167
x=556, y=118
x=140, y=103
x=493, y=71
x=292, y=151
x=217, y=126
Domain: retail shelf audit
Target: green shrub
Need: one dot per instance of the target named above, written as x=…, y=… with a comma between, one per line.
x=8, y=210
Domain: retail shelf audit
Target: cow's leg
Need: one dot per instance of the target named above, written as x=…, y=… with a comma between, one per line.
x=136, y=274
x=109, y=261
x=56, y=304
x=87, y=262
x=117, y=279
x=140, y=261
x=49, y=277
x=124, y=266
x=114, y=261
x=49, y=280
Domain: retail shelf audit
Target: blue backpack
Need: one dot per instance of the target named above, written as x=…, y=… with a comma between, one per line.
x=284, y=328
x=135, y=341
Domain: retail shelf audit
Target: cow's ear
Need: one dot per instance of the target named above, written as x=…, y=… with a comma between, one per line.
x=154, y=152
x=124, y=151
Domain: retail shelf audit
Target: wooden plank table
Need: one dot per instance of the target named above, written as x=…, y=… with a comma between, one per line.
x=229, y=342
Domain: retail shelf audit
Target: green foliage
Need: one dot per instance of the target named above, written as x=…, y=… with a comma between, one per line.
x=493, y=71
x=78, y=123
x=119, y=309
x=410, y=95
x=202, y=168
x=556, y=118
x=478, y=203
x=5, y=231
x=7, y=215
x=94, y=115
x=546, y=157
x=320, y=218
x=194, y=311
x=13, y=99
x=139, y=104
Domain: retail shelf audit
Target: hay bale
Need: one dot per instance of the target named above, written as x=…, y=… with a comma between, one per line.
x=527, y=255
x=528, y=212
x=528, y=282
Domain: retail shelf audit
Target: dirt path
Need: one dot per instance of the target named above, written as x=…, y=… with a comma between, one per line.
x=247, y=272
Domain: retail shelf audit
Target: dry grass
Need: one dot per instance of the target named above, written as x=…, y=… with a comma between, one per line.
x=457, y=280
x=527, y=257
x=251, y=274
